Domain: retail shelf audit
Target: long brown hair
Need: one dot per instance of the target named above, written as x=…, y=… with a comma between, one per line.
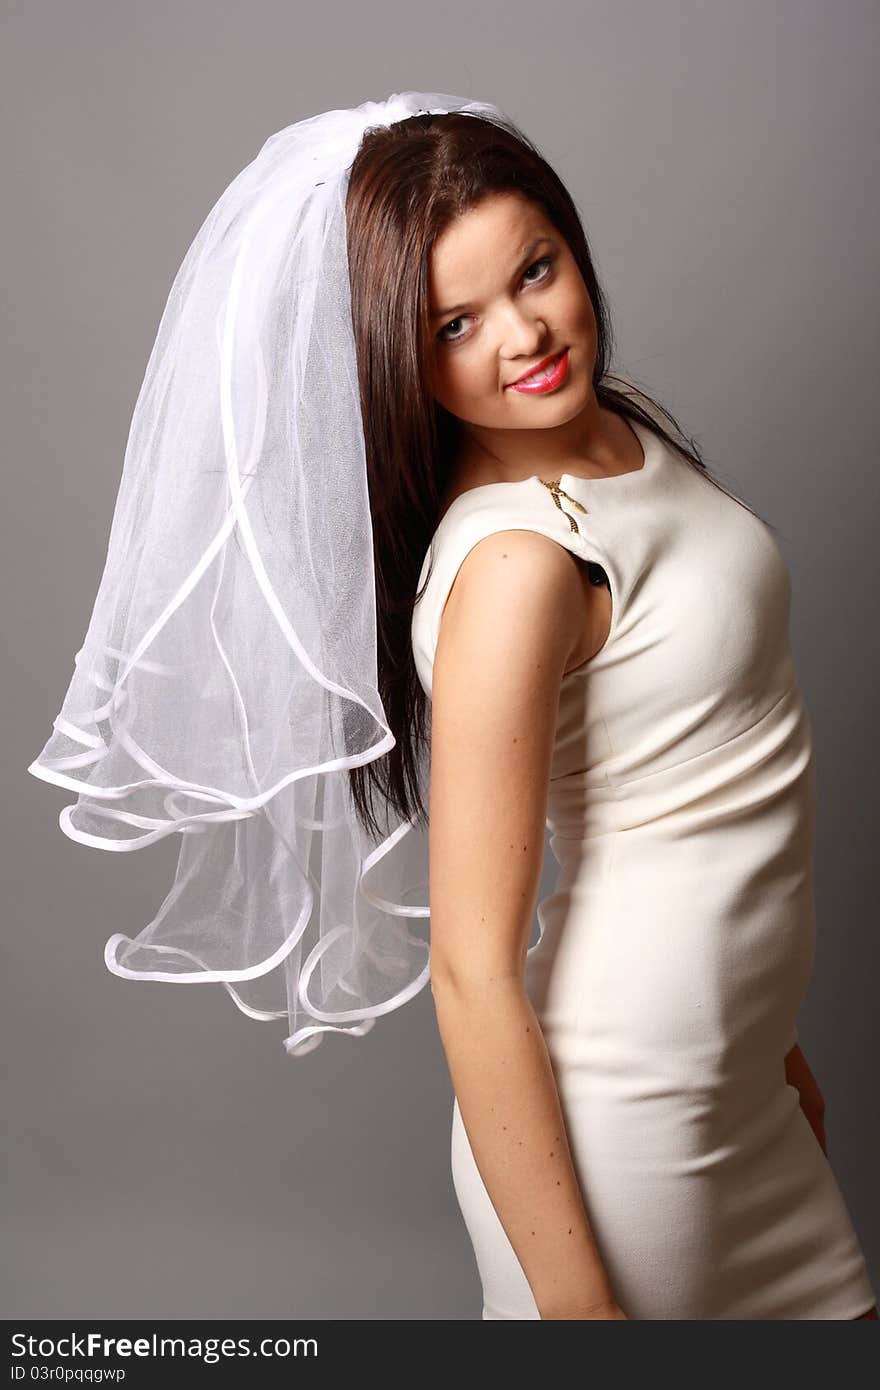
x=408, y=182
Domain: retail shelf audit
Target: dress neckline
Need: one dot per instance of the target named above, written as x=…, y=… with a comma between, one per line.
x=651, y=453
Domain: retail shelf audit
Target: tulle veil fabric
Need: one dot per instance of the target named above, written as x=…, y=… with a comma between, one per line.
x=227, y=681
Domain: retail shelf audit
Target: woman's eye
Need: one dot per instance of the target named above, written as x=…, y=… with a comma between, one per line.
x=444, y=331
x=444, y=334
x=545, y=260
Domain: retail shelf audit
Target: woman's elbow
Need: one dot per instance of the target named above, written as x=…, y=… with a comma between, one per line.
x=473, y=980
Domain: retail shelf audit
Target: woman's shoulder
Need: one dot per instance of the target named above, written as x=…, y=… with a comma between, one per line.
x=549, y=520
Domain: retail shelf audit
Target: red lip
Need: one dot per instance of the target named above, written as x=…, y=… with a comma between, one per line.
x=560, y=358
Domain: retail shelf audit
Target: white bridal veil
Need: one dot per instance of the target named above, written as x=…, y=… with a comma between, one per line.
x=228, y=677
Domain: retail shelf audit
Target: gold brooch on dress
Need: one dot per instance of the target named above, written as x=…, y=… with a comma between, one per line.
x=556, y=492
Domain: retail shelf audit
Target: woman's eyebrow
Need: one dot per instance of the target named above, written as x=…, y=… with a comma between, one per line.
x=528, y=252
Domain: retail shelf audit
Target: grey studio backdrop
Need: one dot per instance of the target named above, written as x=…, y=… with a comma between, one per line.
x=164, y=1158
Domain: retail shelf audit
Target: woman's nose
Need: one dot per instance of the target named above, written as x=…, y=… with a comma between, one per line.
x=523, y=336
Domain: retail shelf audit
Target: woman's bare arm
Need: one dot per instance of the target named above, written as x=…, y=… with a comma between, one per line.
x=798, y=1074
x=509, y=627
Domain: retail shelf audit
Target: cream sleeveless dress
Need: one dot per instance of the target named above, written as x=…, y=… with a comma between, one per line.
x=677, y=946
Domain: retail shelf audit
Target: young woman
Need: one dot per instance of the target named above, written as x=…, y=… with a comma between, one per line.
x=602, y=631
x=384, y=502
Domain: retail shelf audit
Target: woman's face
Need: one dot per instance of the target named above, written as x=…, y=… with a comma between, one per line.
x=505, y=293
